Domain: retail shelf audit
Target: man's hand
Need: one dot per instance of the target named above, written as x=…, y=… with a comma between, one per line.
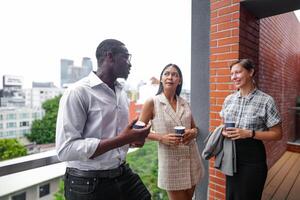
x=136, y=136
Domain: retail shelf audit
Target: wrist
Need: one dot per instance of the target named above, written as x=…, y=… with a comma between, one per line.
x=196, y=130
x=159, y=138
x=253, y=134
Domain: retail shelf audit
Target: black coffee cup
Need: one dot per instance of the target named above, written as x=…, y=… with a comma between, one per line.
x=179, y=130
x=229, y=124
x=139, y=125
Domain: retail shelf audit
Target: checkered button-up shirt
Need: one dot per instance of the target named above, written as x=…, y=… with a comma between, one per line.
x=256, y=111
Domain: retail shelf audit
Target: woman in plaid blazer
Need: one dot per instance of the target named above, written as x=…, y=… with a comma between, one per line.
x=179, y=163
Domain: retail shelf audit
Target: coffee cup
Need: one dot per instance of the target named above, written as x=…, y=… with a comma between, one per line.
x=229, y=124
x=179, y=130
x=139, y=125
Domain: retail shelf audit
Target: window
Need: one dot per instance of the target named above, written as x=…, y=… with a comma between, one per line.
x=11, y=125
x=1, y=126
x=1, y=117
x=24, y=115
x=44, y=190
x=22, y=124
x=21, y=196
x=11, y=116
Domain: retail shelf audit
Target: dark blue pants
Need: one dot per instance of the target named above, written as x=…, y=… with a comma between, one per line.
x=128, y=186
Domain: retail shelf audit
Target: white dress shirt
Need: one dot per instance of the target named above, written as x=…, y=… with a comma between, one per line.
x=90, y=111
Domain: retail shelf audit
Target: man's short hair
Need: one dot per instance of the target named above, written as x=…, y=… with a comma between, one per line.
x=108, y=45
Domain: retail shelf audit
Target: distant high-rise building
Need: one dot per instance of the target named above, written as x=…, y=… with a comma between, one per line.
x=70, y=73
x=12, y=94
x=36, y=96
x=43, y=85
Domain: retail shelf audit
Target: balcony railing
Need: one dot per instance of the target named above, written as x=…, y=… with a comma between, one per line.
x=28, y=162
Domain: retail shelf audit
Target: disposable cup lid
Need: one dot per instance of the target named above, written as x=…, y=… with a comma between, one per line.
x=179, y=127
x=140, y=123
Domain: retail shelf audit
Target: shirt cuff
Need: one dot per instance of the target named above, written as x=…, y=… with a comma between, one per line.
x=90, y=146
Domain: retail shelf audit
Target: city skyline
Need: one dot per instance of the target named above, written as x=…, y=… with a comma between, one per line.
x=37, y=35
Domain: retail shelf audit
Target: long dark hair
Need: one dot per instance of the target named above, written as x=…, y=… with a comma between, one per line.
x=161, y=87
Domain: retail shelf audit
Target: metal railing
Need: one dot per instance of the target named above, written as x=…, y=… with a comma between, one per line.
x=28, y=162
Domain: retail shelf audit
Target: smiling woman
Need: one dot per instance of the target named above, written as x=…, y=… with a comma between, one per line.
x=41, y=38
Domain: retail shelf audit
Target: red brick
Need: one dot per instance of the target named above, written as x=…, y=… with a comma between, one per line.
x=227, y=41
x=220, y=195
x=219, y=4
x=227, y=56
x=218, y=94
x=219, y=64
x=218, y=35
x=222, y=19
x=220, y=49
x=228, y=25
x=213, y=28
x=223, y=87
x=230, y=9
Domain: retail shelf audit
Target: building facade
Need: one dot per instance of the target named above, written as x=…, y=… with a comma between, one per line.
x=70, y=73
x=16, y=122
x=12, y=94
x=35, y=97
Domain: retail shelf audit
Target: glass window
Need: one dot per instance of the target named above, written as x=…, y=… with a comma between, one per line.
x=1, y=117
x=25, y=123
x=1, y=126
x=34, y=115
x=21, y=196
x=11, y=116
x=11, y=125
x=44, y=190
x=24, y=115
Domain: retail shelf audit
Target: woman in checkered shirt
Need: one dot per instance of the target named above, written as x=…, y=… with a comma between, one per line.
x=256, y=119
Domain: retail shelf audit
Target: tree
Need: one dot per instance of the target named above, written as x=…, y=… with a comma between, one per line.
x=43, y=131
x=144, y=162
x=11, y=148
x=59, y=195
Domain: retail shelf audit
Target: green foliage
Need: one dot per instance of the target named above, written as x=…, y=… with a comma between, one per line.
x=144, y=162
x=11, y=148
x=59, y=195
x=43, y=131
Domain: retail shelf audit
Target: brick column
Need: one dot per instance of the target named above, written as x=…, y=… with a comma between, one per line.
x=224, y=48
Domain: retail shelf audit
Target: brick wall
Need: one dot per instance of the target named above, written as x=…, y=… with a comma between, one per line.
x=273, y=44
x=134, y=110
x=224, y=48
x=279, y=72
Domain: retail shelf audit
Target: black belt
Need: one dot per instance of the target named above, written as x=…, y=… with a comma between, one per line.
x=110, y=173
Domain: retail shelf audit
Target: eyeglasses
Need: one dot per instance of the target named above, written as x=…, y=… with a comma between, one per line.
x=127, y=56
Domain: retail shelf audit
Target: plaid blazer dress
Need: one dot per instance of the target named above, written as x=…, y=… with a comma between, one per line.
x=179, y=167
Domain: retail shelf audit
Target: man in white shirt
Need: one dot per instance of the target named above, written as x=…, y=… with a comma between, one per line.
x=93, y=134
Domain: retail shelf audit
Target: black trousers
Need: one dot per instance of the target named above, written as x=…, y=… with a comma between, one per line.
x=127, y=186
x=248, y=183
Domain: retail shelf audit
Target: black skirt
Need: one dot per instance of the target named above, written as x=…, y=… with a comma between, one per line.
x=248, y=182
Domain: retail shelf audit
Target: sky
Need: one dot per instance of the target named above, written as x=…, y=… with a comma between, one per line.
x=36, y=34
